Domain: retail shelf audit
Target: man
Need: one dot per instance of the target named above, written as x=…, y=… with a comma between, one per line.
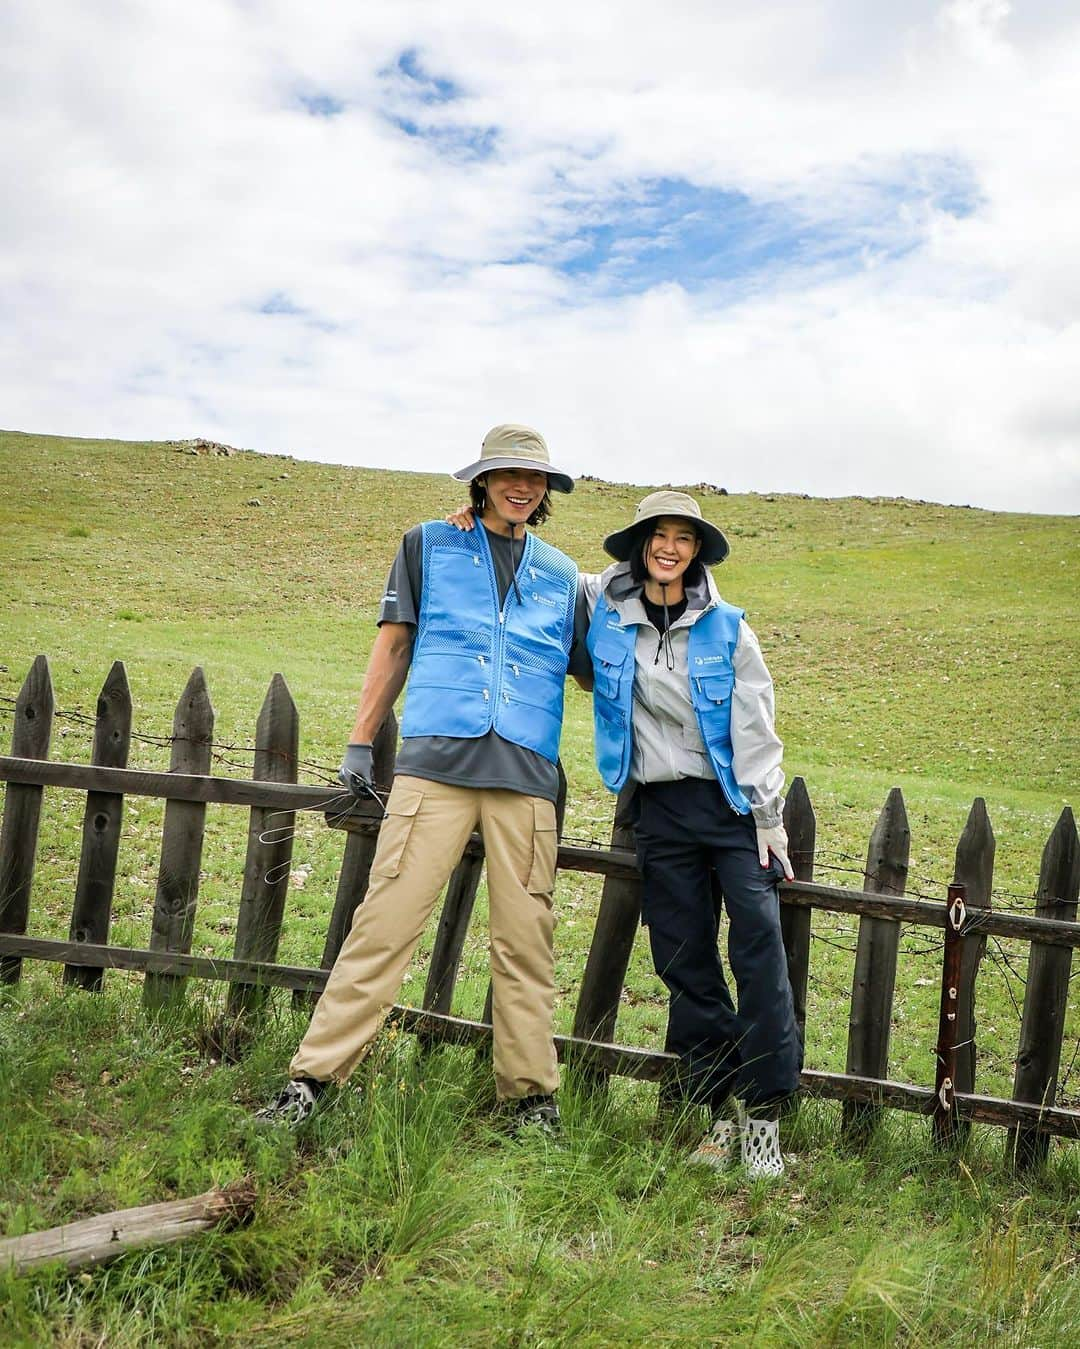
x=482, y=624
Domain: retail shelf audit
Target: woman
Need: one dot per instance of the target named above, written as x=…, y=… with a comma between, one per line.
x=683, y=707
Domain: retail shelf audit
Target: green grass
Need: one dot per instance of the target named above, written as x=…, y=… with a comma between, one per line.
x=912, y=644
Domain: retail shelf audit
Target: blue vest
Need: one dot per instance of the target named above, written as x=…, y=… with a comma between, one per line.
x=711, y=656
x=475, y=667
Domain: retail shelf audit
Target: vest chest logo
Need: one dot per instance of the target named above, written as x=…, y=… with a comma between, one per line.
x=544, y=599
x=613, y=625
x=710, y=660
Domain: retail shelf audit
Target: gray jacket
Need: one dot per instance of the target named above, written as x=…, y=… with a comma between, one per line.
x=667, y=744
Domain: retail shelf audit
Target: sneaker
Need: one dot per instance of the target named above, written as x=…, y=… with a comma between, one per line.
x=293, y=1105
x=534, y=1112
x=717, y=1148
x=761, y=1153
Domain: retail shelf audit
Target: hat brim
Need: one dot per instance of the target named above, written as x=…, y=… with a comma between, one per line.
x=557, y=482
x=714, y=546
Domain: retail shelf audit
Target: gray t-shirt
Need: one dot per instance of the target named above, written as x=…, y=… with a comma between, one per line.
x=488, y=760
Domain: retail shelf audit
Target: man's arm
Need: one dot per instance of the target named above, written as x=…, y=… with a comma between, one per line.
x=391, y=656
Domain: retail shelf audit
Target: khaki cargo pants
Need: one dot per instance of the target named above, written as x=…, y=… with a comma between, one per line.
x=421, y=841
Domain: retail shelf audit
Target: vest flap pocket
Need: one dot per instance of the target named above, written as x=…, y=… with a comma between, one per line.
x=717, y=688
x=401, y=812
x=609, y=662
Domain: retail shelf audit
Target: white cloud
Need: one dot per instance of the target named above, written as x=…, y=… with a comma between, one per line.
x=166, y=181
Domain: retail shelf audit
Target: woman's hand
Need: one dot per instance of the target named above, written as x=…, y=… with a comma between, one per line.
x=774, y=841
x=462, y=519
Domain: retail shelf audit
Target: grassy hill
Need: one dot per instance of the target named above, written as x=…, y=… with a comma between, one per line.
x=912, y=644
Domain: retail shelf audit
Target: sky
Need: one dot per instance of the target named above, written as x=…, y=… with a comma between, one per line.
x=816, y=246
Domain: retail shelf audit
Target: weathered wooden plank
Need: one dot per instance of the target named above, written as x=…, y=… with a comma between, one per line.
x=22, y=808
x=95, y=1241
x=649, y=1065
x=183, y=787
x=617, y=921
x=1047, y=993
x=874, y=980
x=91, y=912
x=177, y=892
x=945, y=1118
x=800, y=823
x=974, y=870
x=270, y=842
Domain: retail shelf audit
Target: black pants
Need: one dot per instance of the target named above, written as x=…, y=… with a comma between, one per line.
x=686, y=833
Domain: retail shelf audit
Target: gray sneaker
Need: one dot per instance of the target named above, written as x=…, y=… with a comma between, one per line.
x=534, y=1112
x=293, y=1105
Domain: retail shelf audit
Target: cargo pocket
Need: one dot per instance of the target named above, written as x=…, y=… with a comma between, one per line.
x=545, y=848
x=394, y=835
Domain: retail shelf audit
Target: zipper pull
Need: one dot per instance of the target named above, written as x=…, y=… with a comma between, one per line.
x=475, y=561
x=482, y=660
x=487, y=695
x=517, y=672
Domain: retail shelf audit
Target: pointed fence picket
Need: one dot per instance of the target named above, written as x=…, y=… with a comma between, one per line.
x=273, y=797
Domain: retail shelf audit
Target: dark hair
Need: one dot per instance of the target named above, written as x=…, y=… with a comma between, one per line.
x=694, y=574
x=478, y=500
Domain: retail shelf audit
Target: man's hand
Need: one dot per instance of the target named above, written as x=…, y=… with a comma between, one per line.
x=774, y=841
x=356, y=772
x=462, y=518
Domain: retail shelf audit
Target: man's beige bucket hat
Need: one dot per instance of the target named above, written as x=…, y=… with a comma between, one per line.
x=714, y=547
x=516, y=447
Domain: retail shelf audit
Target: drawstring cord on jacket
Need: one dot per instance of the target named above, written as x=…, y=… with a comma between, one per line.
x=665, y=637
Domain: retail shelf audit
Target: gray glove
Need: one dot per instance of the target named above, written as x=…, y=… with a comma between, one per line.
x=356, y=772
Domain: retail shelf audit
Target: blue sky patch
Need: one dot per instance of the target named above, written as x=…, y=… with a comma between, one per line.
x=421, y=84
x=321, y=105
x=669, y=230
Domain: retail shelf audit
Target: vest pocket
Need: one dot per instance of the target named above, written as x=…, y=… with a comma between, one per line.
x=608, y=667
x=394, y=834
x=545, y=850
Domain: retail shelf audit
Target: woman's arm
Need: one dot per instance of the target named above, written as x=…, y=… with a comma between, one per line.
x=758, y=750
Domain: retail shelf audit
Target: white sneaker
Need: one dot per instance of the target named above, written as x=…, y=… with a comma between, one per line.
x=761, y=1155
x=717, y=1148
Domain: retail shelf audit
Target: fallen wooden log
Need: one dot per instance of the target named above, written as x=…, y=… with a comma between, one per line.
x=93, y=1241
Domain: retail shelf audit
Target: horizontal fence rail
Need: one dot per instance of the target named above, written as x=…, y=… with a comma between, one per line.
x=965, y=917
x=647, y=1065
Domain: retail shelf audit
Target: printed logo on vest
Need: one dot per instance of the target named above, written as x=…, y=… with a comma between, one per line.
x=543, y=599
x=709, y=660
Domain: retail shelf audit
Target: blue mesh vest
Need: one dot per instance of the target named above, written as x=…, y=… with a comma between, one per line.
x=711, y=672
x=475, y=668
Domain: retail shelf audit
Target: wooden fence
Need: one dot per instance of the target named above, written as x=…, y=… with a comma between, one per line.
x=965, y=913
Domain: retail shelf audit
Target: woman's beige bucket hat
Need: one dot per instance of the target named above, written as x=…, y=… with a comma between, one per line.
x=714, y=547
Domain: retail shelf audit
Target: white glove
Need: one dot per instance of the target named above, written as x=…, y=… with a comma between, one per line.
x=774, y=841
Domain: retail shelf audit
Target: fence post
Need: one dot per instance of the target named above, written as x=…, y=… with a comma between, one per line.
x=944, y=1128
x=181, y=841
x=613, y=939
x=22, y=809
x=359, y=851
x=1046, y=996
x=801, y=826
x=875, y=963
x=270, y=843
x=974, y=870
x=91, y=912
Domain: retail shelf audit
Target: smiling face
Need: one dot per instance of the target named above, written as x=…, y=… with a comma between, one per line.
x=512, y=494
x=669, y=549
